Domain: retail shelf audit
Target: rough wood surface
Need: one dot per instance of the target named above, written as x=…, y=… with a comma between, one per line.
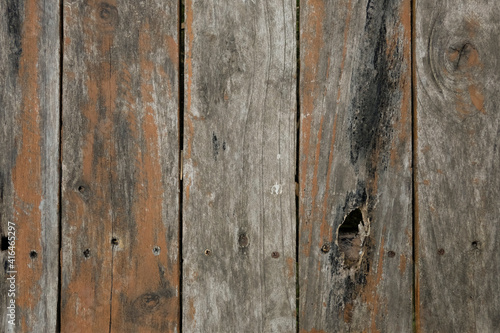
x=120, y=265
x=355, y=252
x=239, y=166
x=458, y=166
x=29, y=160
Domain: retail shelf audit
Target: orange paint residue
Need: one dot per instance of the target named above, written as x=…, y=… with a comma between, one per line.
x=477, y=98
x=290, y=263
x=312, y=32
x=402, y=264
x=405, y=19
x=370, y=294
x=27, y=171
x=192, y=311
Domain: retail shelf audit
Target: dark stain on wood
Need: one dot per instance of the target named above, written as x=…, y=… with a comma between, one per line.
x=14, y=23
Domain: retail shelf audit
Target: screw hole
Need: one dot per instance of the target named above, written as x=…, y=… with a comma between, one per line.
x=81, y=189
x=86, y=253
x=156, y=250
x=275, y=255
x=114, y=241
x=243, y=240
x=391, y=254
x=475, y=245
x=208, y=252
x=325, y=248
x=441, y=252
x=33, y=254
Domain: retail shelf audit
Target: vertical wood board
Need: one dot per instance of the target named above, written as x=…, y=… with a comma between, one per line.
x=239, y=165
x=29, y=168
x=458, y=175
x=355, y=250
x=120, y=182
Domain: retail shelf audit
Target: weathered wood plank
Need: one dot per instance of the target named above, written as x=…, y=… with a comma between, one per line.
x=120, y=265
x=458, y=166
x=355, y=251
x=239, y=165
x=29, y=163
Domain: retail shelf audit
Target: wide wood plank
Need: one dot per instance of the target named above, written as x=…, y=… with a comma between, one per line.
x=239, y=166
x=355, y=251
x=29, y=163
x=120, y=182
x=458, y=181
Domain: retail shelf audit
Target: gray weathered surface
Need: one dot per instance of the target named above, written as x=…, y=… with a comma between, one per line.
x=29, y=168
x=239, y=165
x=458, y=166
x=355, y=161
x=120, y=265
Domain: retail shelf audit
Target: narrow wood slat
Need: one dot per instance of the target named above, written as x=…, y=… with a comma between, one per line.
x=120, y=263
x=458, y=166
x=355, y=250
x=29, y=169
x=239, y=165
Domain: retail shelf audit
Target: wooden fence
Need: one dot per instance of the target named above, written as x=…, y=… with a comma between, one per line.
x=250, y=166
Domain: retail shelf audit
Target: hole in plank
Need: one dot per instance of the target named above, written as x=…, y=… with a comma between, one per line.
x=33, y=254
x=349, y=238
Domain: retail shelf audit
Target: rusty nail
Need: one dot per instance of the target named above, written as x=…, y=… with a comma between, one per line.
x=325, y=248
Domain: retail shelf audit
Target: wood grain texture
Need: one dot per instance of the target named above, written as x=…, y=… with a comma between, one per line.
x=120, y=183
x=29, y=168
x=239, y=165
x=355, y=251
x=458, y=163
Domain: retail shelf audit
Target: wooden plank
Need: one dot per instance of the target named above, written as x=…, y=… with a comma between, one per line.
x=29, y=163
x=458, y=166
x=239, y=165
x=120, y=255
x=355, y=251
